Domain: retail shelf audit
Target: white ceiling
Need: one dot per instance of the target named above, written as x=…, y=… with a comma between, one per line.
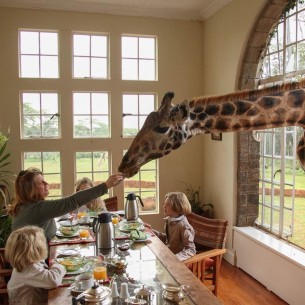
x=169, y=9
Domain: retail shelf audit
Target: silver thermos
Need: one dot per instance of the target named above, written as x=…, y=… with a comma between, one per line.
x=104, y=231
x=131, y=206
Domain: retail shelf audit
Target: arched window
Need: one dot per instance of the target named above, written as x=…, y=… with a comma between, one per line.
x=279, y=205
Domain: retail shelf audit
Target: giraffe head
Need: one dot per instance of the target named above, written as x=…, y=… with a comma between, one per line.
x=163, y=131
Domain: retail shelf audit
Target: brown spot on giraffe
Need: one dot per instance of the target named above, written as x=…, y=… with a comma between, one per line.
x=172, y=125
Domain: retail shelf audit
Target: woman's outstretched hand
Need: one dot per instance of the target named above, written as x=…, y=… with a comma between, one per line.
x=113, y=180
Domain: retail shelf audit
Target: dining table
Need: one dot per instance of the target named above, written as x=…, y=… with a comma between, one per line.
x=149, y=263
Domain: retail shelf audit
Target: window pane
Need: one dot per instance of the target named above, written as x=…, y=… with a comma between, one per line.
x=38, y=54
x=49, y=66
x=99, y=67
x=29, y=66
x=129, y=47
x=50, y=165
x=81, y=67
x=81, y=45
x=129, y=69
x=49, y=43
x=29, y=42
x=147, y=70
x=147, y=48
x=40, y=115
x=91, y=118
x=99, y=46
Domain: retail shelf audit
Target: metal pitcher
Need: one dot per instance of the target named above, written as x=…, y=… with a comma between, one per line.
x=104, y=231
x=131, y=206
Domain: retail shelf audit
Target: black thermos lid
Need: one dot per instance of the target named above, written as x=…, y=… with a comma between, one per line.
x=105, y=217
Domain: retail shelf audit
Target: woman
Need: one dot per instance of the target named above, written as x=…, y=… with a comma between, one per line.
x=26, y=249
x=31, y=208
x=97, y=204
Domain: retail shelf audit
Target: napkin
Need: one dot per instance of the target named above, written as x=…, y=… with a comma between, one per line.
x=137, y=235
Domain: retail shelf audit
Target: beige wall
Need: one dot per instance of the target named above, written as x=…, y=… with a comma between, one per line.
x=180, y=70
x=225, y=36
x=194, y=59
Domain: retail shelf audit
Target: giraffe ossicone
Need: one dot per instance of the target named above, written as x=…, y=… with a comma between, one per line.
x=172, y=125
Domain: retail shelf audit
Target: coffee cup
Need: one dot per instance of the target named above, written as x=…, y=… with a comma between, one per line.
x=84, y=281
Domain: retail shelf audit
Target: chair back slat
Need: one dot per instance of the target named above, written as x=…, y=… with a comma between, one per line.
x=211, y=233
x=111, y=203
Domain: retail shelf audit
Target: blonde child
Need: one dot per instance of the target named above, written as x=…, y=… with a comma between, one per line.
x=26, y=250
x=179, y=234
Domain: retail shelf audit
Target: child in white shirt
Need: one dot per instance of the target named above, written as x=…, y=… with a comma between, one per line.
x=26, y=249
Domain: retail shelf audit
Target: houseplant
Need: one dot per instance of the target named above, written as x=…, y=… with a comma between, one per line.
x=198, y=207
x=6, y=182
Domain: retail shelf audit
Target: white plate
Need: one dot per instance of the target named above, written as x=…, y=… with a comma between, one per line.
x=80, y=270
x=127, y=226
x=67, y=223
x=59, y=234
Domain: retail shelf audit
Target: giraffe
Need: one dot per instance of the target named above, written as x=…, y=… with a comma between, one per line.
x=171, y=125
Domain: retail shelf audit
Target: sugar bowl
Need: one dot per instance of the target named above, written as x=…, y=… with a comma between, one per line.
x=173, y=293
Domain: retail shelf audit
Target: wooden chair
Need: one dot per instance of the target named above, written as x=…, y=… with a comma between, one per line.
x=5, y=274
x=111, y=204
x=210, y=239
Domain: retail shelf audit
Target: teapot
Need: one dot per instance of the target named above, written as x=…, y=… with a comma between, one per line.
x=173, y=293
x=131, y=207
x=96, y=295
x=104, y=231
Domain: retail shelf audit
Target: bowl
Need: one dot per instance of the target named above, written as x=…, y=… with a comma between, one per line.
x=68, y=231
x=72, y=263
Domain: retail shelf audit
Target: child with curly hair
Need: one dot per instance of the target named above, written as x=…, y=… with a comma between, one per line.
x=26, y=249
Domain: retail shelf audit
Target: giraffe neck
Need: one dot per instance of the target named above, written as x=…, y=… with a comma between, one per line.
x=226, y=114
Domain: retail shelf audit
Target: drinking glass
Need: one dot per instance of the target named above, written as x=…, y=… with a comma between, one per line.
x=100, y=272
x=115, y=219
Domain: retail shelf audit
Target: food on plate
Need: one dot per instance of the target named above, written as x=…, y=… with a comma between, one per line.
x=72, y=263
x=137, y=235
x=68, y=231
x=129, y=226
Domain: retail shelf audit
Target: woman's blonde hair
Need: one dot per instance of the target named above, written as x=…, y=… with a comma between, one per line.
x=179, y=203
x=26, y=246
x=95, y=204
x=25, y=189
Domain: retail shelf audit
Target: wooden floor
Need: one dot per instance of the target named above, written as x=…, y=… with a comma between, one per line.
x=236, y=287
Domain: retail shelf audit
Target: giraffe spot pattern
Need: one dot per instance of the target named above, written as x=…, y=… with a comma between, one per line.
x=209, y=123
x=222, y=124
x=202, y=116
x=227, y=109
x=268, y=102
x=293, y=117
x=296, y=98
x=193, y=116
x=242, y=107
x=252, y=112
x=198, y=109
x=160, y=129
x=211, y=109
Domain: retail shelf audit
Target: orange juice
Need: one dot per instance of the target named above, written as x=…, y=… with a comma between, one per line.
x=100, y=272
x=84, y=234
x=80, y=214
x=115, y=220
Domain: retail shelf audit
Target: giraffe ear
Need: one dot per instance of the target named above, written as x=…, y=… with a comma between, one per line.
x=166, y=104
x=182, y=114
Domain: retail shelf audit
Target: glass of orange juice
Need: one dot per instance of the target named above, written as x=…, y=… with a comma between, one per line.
x=80, y=214
x=115, y=219
x=100, y=272
x=84, y=234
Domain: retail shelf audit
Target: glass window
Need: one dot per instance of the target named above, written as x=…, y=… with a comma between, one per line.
x=38, y=54
x=50, y=165
x=90, y=56
x=136, y=108
x=91, y=115
x=92, y=164
x=145, y=185
x=40, y=115
x=139, y=58
x=281, y=176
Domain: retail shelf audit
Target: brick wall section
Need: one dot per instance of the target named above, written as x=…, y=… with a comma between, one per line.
x=248, y=149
